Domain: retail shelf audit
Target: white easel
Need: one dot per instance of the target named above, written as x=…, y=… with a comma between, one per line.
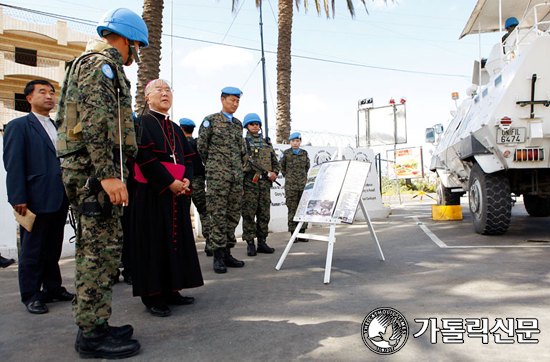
x=331, y=240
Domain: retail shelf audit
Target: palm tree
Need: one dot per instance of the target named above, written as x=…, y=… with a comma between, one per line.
x=149, y=66
x=284, y=56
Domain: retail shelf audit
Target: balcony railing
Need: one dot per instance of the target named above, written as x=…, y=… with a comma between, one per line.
x=26, y=59
x=18, y=64
x=8, y=112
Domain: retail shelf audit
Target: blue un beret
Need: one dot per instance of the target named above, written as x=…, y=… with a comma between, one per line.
x=295, y=135
x=187, y=122
x=234, y=91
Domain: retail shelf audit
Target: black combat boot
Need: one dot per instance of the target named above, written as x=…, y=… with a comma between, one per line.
x=230, y=261
x=127, y=277
x=263, y=247
x=4, y=262
x=219, y=265
x=207, y=249
x=122, y=332
x=251, y=248
x=303, y=240
x=102, y=344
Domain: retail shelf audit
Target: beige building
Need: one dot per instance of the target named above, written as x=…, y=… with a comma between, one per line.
x=34, y=46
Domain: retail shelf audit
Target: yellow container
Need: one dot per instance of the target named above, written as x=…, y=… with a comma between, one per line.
x=447, y=212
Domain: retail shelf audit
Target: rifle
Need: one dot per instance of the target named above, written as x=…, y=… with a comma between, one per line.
x=259, y=169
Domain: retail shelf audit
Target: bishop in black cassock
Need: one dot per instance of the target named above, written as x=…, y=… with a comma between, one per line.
x=164, y=254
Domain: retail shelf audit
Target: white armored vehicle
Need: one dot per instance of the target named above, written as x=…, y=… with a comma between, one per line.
x=497, y=144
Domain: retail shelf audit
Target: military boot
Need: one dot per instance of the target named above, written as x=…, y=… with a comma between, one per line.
x=250, y=248
x=263, y=247
x=102, y=344
x=122, y=332
x=230, y=261
x=207, y=249
x=219, y=264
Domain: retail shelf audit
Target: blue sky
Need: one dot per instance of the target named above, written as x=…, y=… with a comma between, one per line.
x=408, y=39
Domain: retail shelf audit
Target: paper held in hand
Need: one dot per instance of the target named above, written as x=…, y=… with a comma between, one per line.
x=26, y=221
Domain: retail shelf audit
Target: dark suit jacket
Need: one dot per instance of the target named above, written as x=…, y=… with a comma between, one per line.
x=33, y=169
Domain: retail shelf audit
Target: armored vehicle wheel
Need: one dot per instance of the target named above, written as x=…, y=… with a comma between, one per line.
x=537, y=206
x=445, y=196
x=490, y=202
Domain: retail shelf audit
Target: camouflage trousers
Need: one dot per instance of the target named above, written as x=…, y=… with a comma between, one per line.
x=97, y=252
x=256, y=207
x=223, y=202
x=199, y=199
x=292, y=201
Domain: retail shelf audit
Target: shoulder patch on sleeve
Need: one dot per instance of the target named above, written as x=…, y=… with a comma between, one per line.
x=107, y=70
x=206, y=123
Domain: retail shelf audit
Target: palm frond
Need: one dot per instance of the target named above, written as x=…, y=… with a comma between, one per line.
x=350, y=7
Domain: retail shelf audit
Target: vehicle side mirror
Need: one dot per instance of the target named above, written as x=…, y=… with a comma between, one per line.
x=430, y=135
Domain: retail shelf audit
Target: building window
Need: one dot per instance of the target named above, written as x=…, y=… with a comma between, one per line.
x=25, y=56
x=21, y=103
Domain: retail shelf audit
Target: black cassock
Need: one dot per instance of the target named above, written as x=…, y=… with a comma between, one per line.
x=164, y=254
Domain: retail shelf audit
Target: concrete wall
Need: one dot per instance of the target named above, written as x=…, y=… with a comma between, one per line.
x=371, y=197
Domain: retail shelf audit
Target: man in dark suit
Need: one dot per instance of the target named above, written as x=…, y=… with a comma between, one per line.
x=34, y=183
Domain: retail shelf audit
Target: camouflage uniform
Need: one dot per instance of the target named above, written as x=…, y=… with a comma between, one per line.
x=198, y=191
x=88, y=141
x=221, y=149
x=294, y=168
x=257, y=195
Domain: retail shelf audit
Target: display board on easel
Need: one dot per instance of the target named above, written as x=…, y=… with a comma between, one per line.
x=332, y=195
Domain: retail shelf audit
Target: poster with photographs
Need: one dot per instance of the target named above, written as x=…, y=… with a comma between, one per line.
x=408, y=163
x=332, y=192
x=351, y=192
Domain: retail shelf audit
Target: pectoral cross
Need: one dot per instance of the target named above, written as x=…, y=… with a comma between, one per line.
x=173, y=158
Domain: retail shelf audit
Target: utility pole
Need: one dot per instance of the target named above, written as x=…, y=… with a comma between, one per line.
x=266, y=129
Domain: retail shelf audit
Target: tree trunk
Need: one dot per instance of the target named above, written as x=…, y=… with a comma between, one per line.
x=284, y=70
x=149, y=66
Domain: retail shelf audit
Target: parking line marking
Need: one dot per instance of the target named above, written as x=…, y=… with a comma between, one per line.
x=431, y=235
x=442, y=245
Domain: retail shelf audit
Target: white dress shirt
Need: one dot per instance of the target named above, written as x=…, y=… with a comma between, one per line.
x=48, y=127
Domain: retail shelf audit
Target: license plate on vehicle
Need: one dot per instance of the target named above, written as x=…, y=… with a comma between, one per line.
x=513, y=135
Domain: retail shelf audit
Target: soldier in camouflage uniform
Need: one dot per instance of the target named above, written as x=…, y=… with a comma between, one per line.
x=221, y=149
x=294, y=167
x=94, y=116
x=198, y=190
x=257, y=187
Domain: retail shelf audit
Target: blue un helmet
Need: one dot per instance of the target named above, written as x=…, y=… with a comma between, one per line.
x=251, y=117
x=510, y=22
x=126, y=23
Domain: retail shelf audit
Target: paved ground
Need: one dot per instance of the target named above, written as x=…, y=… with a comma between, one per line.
x=258, y=313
